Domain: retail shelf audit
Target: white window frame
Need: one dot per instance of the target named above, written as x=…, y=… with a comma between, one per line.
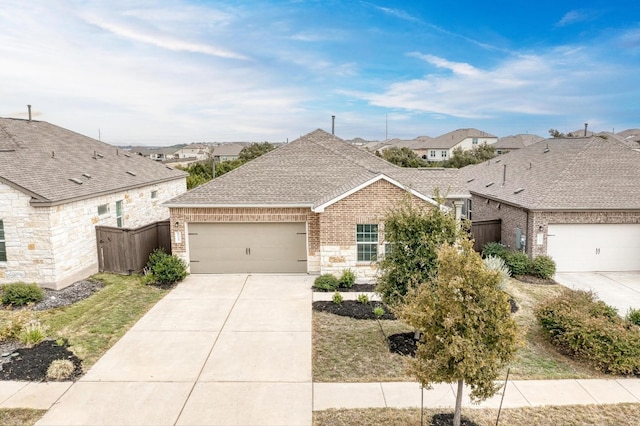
x=443, y=154
x=474, y=141
x=3, y=243
x=432, y=154
x=120, y=214
x=366, y=243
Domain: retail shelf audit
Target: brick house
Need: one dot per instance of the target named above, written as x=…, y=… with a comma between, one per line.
x=315, y=205
x=56, y=186
x=575, y=199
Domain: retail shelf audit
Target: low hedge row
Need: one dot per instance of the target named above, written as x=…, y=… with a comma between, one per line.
x=519, y=263
x=587, y=329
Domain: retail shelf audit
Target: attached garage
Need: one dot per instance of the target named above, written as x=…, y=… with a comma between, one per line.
x=222, y=248
x=594, y=247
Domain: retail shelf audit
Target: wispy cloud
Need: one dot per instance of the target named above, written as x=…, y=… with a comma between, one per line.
x=573, y=17
x=397, y=13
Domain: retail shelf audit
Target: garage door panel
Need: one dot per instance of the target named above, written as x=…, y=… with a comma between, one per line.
x=247, y=247
x=594, y=247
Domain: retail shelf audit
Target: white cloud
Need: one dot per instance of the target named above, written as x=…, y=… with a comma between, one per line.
x=573, y=17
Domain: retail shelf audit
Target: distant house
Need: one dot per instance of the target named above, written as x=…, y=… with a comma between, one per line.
x=56, y=186
x=630, y=137
x=441, y=148
x=157, y=154
x=227, y=151
x=514, y=142
x=315, y=205
x=195, y=151
x=574, y=199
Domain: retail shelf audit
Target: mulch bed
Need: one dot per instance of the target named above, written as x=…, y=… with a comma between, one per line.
x=31, y=364
x=403, y=344
x=357, y=288
x=353, y=309
x=446, y=419
x=530, y=279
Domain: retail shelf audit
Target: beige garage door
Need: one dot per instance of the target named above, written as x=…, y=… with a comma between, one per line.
x=222, y=248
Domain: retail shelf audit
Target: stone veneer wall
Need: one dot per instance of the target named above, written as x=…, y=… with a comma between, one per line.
x=338, y=226
x=182, y=216
x=56, y=246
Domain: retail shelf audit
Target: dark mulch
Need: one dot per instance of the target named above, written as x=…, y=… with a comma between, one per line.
x=357, y=288
x=31, y=364
x=514, y=305
x=530, y=279
x=67, y=296
x=446, y=419
x=403, y=344
x=353, y=309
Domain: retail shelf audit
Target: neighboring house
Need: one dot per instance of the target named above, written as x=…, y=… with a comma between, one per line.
x=574, y=199
x=630, y=137
x=441, y=148
x=227, y=151
x=194, y=151
x=56, y=186
x=157, y=154
x=514, y=142
x=315, y=205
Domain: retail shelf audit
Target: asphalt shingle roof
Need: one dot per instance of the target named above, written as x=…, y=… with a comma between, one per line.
x=516, y=141
x=562, y=174
x=40, y=158
x=311, y=171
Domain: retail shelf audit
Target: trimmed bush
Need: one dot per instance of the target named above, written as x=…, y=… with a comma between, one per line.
x=518, y=263
x=633, y=316
x=326, y=282
x=20, y=294
x=543, y=267
x=495, y=249
x=591, y=331
x=337, y=298
x=347, y=279
x=165, y=268
x=363, y=298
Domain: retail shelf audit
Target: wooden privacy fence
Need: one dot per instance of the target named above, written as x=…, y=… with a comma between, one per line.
x=126, y=251
x=485, y=231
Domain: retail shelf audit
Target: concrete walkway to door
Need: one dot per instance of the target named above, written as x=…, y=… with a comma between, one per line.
x=217, y=350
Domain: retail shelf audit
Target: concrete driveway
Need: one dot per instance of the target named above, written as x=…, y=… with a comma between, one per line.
x=217, y=350
x=618, y=289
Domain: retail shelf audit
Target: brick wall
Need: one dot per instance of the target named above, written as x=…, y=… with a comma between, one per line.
x=56, y=246
x=338, y=226
x=512, y=218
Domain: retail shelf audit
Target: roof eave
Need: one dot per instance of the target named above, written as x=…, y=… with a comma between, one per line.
x=232, y=205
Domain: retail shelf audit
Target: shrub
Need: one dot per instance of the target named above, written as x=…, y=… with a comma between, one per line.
x=494, y=263
x=326, y=282
x=14, y=324
x=378, y=311
x=495, y=249
x=60, y=369
x=166, y=268
x=589, y=330
x=32, y=333
x=347, y=279
x=337, y=298
x=20, y=294
x=633, y=316
x=363, y=298
x=518, y=263
x=543, y=267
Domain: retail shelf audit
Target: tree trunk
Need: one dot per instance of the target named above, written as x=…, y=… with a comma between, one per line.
x=457, y=412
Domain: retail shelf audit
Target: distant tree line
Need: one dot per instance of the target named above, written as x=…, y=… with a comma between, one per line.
x=202, y=171
x=405, y=157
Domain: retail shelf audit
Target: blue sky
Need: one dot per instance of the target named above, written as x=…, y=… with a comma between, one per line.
x=165, y=72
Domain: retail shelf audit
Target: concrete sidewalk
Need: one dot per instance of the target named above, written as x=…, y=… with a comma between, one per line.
x=217, y=350
x=519, y=393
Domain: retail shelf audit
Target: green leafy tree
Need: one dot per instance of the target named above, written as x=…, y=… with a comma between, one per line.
x=226, y=166
x=403, y=157
x=254, y=150
x=467, y=332
x=412, y=236
x=555, y=133
x=475, y=155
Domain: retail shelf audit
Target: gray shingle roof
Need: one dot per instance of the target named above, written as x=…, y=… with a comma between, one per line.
x=562, y=174
x=451, y=139
x=40, y=159
x=311, y=171
x=516, y=141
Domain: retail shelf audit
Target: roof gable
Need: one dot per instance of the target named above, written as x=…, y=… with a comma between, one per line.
x=311, y=171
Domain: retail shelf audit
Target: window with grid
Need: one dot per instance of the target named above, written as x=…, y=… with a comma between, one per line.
x=367, y=242
x=444, y=154
x=3, y=245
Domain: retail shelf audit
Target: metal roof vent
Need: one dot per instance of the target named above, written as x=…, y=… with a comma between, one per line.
x=471, y=180
x=87, y=175
x=489, y=184
x=75, y=180
x=519, y=190
x=129, y=172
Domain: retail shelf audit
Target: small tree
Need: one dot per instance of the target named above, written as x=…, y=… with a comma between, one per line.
x=413, y=234
x=403, y=157
x=254, y=150
x=467, y=330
